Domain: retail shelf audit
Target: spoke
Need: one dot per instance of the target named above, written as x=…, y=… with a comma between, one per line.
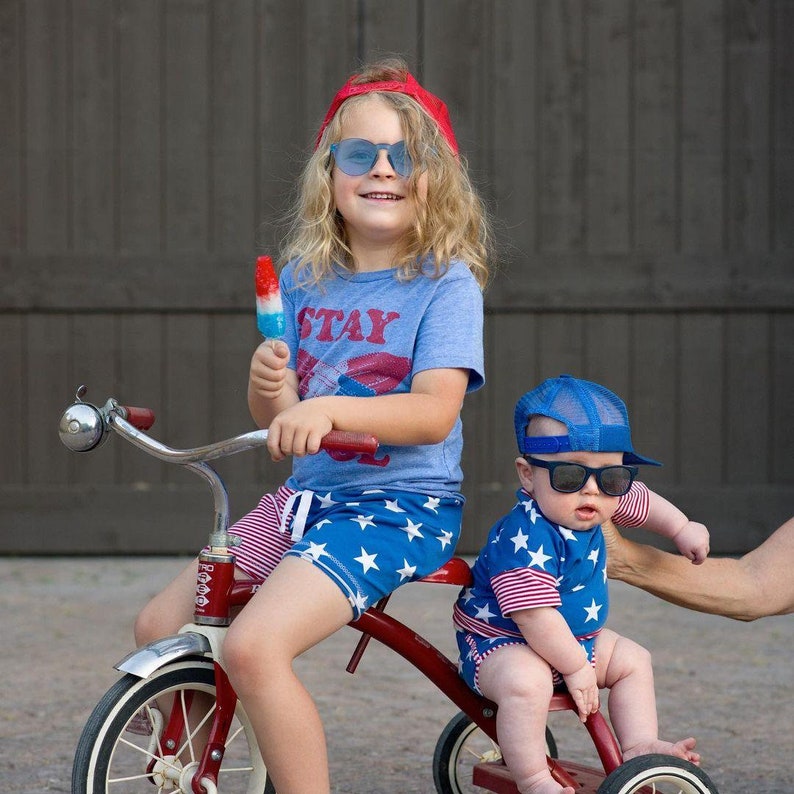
x=490, y=755
x=126, y=779
x=141, y=750
x=190, y=734
x=231, y=738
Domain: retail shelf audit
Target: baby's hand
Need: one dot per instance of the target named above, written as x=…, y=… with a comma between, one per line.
x=692, y=541
x=583, y=688
x=268, y=371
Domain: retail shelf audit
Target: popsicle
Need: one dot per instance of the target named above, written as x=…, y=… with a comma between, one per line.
x=269, y=309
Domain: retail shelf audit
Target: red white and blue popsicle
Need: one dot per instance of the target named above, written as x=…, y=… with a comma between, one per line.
x=269, y=309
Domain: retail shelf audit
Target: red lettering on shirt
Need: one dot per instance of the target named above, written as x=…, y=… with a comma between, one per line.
x=323, y=325
x=379, y=323
x=352, y=327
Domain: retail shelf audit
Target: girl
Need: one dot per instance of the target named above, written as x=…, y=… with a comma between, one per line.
x=382, y=291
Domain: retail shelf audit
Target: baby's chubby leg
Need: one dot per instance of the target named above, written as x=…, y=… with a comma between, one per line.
x=520, y=683
x=625, y=668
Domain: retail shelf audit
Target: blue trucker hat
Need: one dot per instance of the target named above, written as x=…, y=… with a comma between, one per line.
x=597, y=419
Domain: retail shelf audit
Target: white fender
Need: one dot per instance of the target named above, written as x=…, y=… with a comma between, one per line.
x=192, y=640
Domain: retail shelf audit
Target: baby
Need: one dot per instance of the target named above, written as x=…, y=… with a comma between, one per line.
x=534, y=618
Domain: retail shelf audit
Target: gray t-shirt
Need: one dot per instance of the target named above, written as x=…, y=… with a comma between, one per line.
x=367, y=334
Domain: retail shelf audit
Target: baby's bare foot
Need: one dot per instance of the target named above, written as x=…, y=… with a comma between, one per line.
x=543, y=783
x=685, y=748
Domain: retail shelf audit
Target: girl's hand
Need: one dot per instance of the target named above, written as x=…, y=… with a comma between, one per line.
x=268, y=371
x=298, y=430
x=583, y=688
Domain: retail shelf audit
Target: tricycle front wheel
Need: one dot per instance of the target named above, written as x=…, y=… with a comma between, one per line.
x=120, y=750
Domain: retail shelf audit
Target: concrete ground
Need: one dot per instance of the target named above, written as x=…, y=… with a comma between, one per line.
x=65, y=622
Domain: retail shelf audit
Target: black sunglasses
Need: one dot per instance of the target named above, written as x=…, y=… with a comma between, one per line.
x=570, y=477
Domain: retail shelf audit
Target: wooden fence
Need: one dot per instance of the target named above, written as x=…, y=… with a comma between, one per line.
x=637, y=155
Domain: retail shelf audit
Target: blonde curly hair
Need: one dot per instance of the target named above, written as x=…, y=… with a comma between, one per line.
x=451, y=223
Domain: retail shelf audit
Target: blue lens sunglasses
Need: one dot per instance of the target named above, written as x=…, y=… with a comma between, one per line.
x=356, y=156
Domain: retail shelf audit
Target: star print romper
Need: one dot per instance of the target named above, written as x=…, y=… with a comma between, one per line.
x=370, y=522
x=530, y=562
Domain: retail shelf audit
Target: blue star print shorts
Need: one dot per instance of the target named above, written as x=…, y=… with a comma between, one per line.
x=474, y=649
x=368, y=542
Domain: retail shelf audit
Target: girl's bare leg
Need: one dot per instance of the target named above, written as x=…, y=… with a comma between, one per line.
x=170, y=609
x=625, y=668
x=297, y=607
x=519, y=681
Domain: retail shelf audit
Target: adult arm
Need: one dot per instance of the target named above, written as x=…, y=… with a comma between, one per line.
x=756, y=585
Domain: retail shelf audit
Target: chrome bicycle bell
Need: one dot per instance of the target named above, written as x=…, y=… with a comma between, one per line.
x=82, y=426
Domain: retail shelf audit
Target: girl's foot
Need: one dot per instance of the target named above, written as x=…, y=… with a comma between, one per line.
x=685, y=748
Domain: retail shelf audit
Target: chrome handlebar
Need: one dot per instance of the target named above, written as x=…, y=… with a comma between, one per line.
x=84, y=427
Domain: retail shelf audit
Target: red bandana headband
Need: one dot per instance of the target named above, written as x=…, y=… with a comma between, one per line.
x=435, y=108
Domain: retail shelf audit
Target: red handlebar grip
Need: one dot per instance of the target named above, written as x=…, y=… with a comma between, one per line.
x=345, y=441
x=142, y=418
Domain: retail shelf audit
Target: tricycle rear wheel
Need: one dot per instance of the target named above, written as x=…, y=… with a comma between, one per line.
x=463, y=744
x=661, y=774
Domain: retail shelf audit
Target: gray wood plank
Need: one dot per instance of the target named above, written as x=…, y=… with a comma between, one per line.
x=92, y=125
x=701, y=397
x=655, y=122
x=187, y=382
x=512, y=106
x=327, y=54
x=453, y=58
x=748, y=392
x=561, y=176
x=703, y=226
x=561, y=347
x=46, y=373
x=46, y=127
x=783, y=127
x=607, y=346
x=654, y=397
x=12, y=182
x=318, y=43
x=186, y=125
x=142, y=356
x=140, y=107
x=233, y=112
x=782, y=354
x=748, y=126
x=13, y=399
x=608, y=150
x=389, y=28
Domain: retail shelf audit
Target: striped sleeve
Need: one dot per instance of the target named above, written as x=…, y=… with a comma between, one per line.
x=633, y=507
x=467, y=623
x=525, y=588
